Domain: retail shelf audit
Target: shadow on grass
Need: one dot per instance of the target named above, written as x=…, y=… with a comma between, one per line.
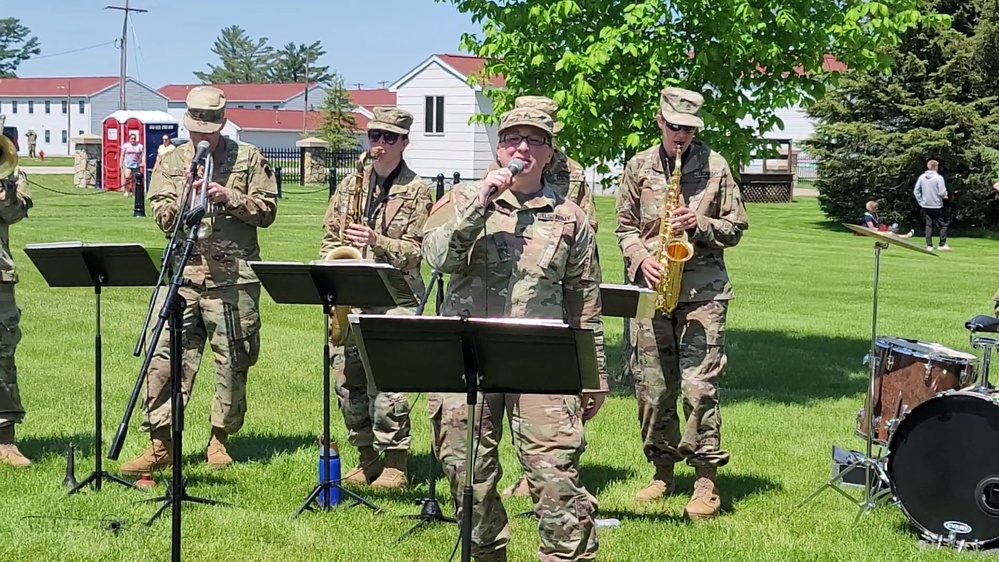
x=41, y=448
x=774, y=367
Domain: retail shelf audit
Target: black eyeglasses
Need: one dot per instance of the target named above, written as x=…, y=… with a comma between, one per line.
x=388, y=136
x=515, y=139
x=678, y=128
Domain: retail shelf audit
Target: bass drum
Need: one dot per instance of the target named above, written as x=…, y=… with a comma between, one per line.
x=943, y=465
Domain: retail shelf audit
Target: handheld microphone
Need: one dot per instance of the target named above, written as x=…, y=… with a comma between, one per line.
x=199, y=155
x=515, y=166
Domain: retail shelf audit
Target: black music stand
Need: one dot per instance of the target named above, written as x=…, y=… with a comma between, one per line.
x=359, y=283
x=473, y=355
x=75, y=264
x=627, y=301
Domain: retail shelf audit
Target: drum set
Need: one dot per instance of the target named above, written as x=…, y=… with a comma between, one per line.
x=935, y=417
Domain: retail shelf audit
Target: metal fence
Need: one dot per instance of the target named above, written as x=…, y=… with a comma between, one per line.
x=291, y=160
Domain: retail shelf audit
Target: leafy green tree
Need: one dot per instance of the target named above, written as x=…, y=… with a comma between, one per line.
x=338, y=125
x=292, y=61
x=605, y=61
x=876, y=131
x=242, y=60
x=15, y=46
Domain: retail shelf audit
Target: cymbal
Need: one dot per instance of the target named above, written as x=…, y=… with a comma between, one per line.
x=888, y=237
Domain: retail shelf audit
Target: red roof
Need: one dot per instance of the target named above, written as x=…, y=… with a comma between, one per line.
x=469, y=65
x=280, y=119
x=370, y=99
x=240, y=92
x=56, y=87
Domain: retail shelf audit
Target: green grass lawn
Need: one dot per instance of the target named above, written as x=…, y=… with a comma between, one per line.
x=50, y=160
x=796, y=338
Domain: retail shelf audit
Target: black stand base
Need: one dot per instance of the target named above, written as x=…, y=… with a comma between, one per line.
x=168, y=498
x=97, y=476
x=327, y=486
x=431, y=513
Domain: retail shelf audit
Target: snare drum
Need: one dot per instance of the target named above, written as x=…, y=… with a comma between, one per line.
x=910, y=372
x=943, y=466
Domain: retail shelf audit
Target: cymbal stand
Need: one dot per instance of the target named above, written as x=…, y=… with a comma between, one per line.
x=873, y=467
x=986, y=343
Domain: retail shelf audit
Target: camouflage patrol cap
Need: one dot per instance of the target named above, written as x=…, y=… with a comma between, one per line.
x=547, y=105
x=679, y=107
x=527, y=116
x=391, y=119
x=205, y=110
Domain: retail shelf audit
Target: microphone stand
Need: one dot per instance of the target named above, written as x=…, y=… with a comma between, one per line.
x=431, y=511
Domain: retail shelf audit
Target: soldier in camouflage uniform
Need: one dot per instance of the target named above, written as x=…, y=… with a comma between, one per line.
x=685, y=351
x=32, y=137
x=564, y=175
x=15, y=200
x=223, y=295
x=522, y=252
x=379, y=421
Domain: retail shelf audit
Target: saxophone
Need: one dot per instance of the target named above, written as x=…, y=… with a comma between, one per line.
x=673, y=249
x=352, y=214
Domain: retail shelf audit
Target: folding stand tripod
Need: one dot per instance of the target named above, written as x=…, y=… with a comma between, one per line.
x=75, y=264
x=873, y=467
x=348, y=282
x=431, y=511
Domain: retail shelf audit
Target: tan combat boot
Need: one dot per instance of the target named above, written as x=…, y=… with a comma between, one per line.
x=394, y=474
x=157, y=456
x=9, y=453
x=518, y=488
x=705, y=501
x=661, y=485
x=218, y=456
x=367, y=469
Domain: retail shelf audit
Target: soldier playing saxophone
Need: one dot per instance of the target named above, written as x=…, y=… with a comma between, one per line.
x=683, y=350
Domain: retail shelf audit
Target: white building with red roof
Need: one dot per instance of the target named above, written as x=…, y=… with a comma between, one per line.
x=60, y=108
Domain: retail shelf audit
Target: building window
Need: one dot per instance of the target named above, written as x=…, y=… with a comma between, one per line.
x=80, y=132
x=81, y=107
x=256, y=107
x=31, y=107
x=434, y=114
x=48, y=106
x=277, y=107
x=13, y=107
x=48, y=135
x=65, y=136
x=65, y=107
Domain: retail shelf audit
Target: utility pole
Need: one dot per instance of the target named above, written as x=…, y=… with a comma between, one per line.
x=124, y=50
x=383, y=83
x=358, y=84
x=305, y=107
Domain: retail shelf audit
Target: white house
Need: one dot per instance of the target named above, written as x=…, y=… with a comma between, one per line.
x=442, y=139
x=58, y=109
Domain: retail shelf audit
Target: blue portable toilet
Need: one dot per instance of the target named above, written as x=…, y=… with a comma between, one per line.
x=150, y=126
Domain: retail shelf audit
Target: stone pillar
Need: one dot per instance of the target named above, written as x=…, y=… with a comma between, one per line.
x=315, y=159
x=88, y=152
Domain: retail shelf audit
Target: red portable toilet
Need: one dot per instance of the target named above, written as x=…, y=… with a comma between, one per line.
x=150, y=126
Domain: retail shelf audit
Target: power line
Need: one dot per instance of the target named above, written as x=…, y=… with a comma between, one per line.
x=75, y=50
x=124, y=50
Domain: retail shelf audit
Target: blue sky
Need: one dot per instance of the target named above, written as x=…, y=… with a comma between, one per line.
x=366, y=41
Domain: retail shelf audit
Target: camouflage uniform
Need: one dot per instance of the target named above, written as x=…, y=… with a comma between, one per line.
x=223, y=295
x=32, y=137
x=15, y=201
x=530, y=259
x=379, y=421
x=567, y=178
x=684, y=352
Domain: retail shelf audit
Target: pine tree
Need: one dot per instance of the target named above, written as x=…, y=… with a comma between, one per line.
x=292, y=61
x=338, y=125
x=877, y=131
x=242, y=60
x=15, y=46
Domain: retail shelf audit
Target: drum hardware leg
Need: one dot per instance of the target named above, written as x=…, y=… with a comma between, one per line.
x=867, y=461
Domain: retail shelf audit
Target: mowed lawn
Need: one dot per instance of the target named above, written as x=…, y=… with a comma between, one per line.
x=797, y=335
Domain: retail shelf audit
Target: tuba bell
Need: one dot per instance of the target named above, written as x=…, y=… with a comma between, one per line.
x=352, y=212
x=8, y=157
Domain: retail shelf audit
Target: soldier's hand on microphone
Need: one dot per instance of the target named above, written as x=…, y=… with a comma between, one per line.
x=498, y=180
